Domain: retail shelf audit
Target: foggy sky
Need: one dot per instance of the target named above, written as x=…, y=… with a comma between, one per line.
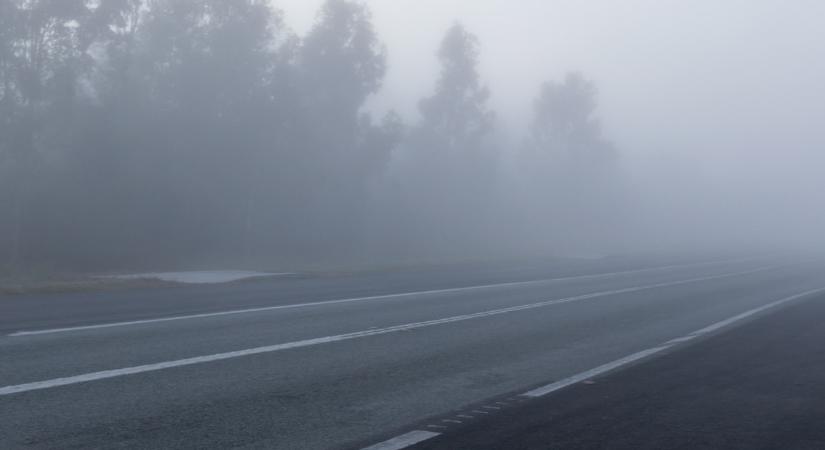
x=712, y=130
x=722, y=78
x=717, y=104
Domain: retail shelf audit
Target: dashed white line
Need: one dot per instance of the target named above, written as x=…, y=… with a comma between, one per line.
x=603, y=369
x=106, y=374
x=359, y=299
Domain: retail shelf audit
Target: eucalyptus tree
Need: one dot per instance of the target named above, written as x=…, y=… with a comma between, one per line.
x=565, y=122
x=202, y=70
x=456, y=116
x=44, y=51
x=449, y=161
x=570, y=168
x=340, y=64
x=7, y=103
x=8, y=24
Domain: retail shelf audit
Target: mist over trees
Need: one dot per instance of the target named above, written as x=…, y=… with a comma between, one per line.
x=447, y=167
x=173, y=133
x=570, y=170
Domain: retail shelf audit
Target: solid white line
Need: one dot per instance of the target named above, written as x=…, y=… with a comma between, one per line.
x=583, y=376
x=611, y=366
x=404, y=441
x=95, y=376
x=361, y=299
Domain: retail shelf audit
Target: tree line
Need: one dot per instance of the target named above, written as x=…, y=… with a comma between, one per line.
x=139, y=133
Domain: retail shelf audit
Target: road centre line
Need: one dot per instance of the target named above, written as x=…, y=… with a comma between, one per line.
x=358, y=299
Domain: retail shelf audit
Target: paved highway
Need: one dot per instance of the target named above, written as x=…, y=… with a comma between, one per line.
x=346, y=361
x=755, y=387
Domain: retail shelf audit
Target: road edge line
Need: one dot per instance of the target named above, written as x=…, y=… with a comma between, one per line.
x=619, y=363
x=403, y=441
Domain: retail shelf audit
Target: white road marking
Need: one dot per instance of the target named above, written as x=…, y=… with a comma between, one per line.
x=603, y=369
x=404, y=441
x=544, y=390
x=102, y=375
x=361, y=299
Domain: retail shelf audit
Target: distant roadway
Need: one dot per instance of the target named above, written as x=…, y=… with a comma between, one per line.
x=462, y=356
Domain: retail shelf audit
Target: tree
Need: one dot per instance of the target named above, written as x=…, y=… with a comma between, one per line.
x=456, y=114
x=342, y=63
x=190, y=91
x=7, y=106
x=449, y=166
x=339, y=65
x=42, y=54
x=571, y=177
x=8, y=21
x=565, y=124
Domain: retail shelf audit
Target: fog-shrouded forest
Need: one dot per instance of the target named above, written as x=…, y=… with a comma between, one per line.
x=182, y=133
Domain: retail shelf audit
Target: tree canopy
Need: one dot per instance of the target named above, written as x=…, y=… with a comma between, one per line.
x=178, y=132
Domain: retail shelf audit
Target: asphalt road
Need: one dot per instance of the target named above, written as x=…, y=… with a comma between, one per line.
x=755, y=387
x=315, y=364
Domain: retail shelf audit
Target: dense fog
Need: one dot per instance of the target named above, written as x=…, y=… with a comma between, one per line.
x=250, y=133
